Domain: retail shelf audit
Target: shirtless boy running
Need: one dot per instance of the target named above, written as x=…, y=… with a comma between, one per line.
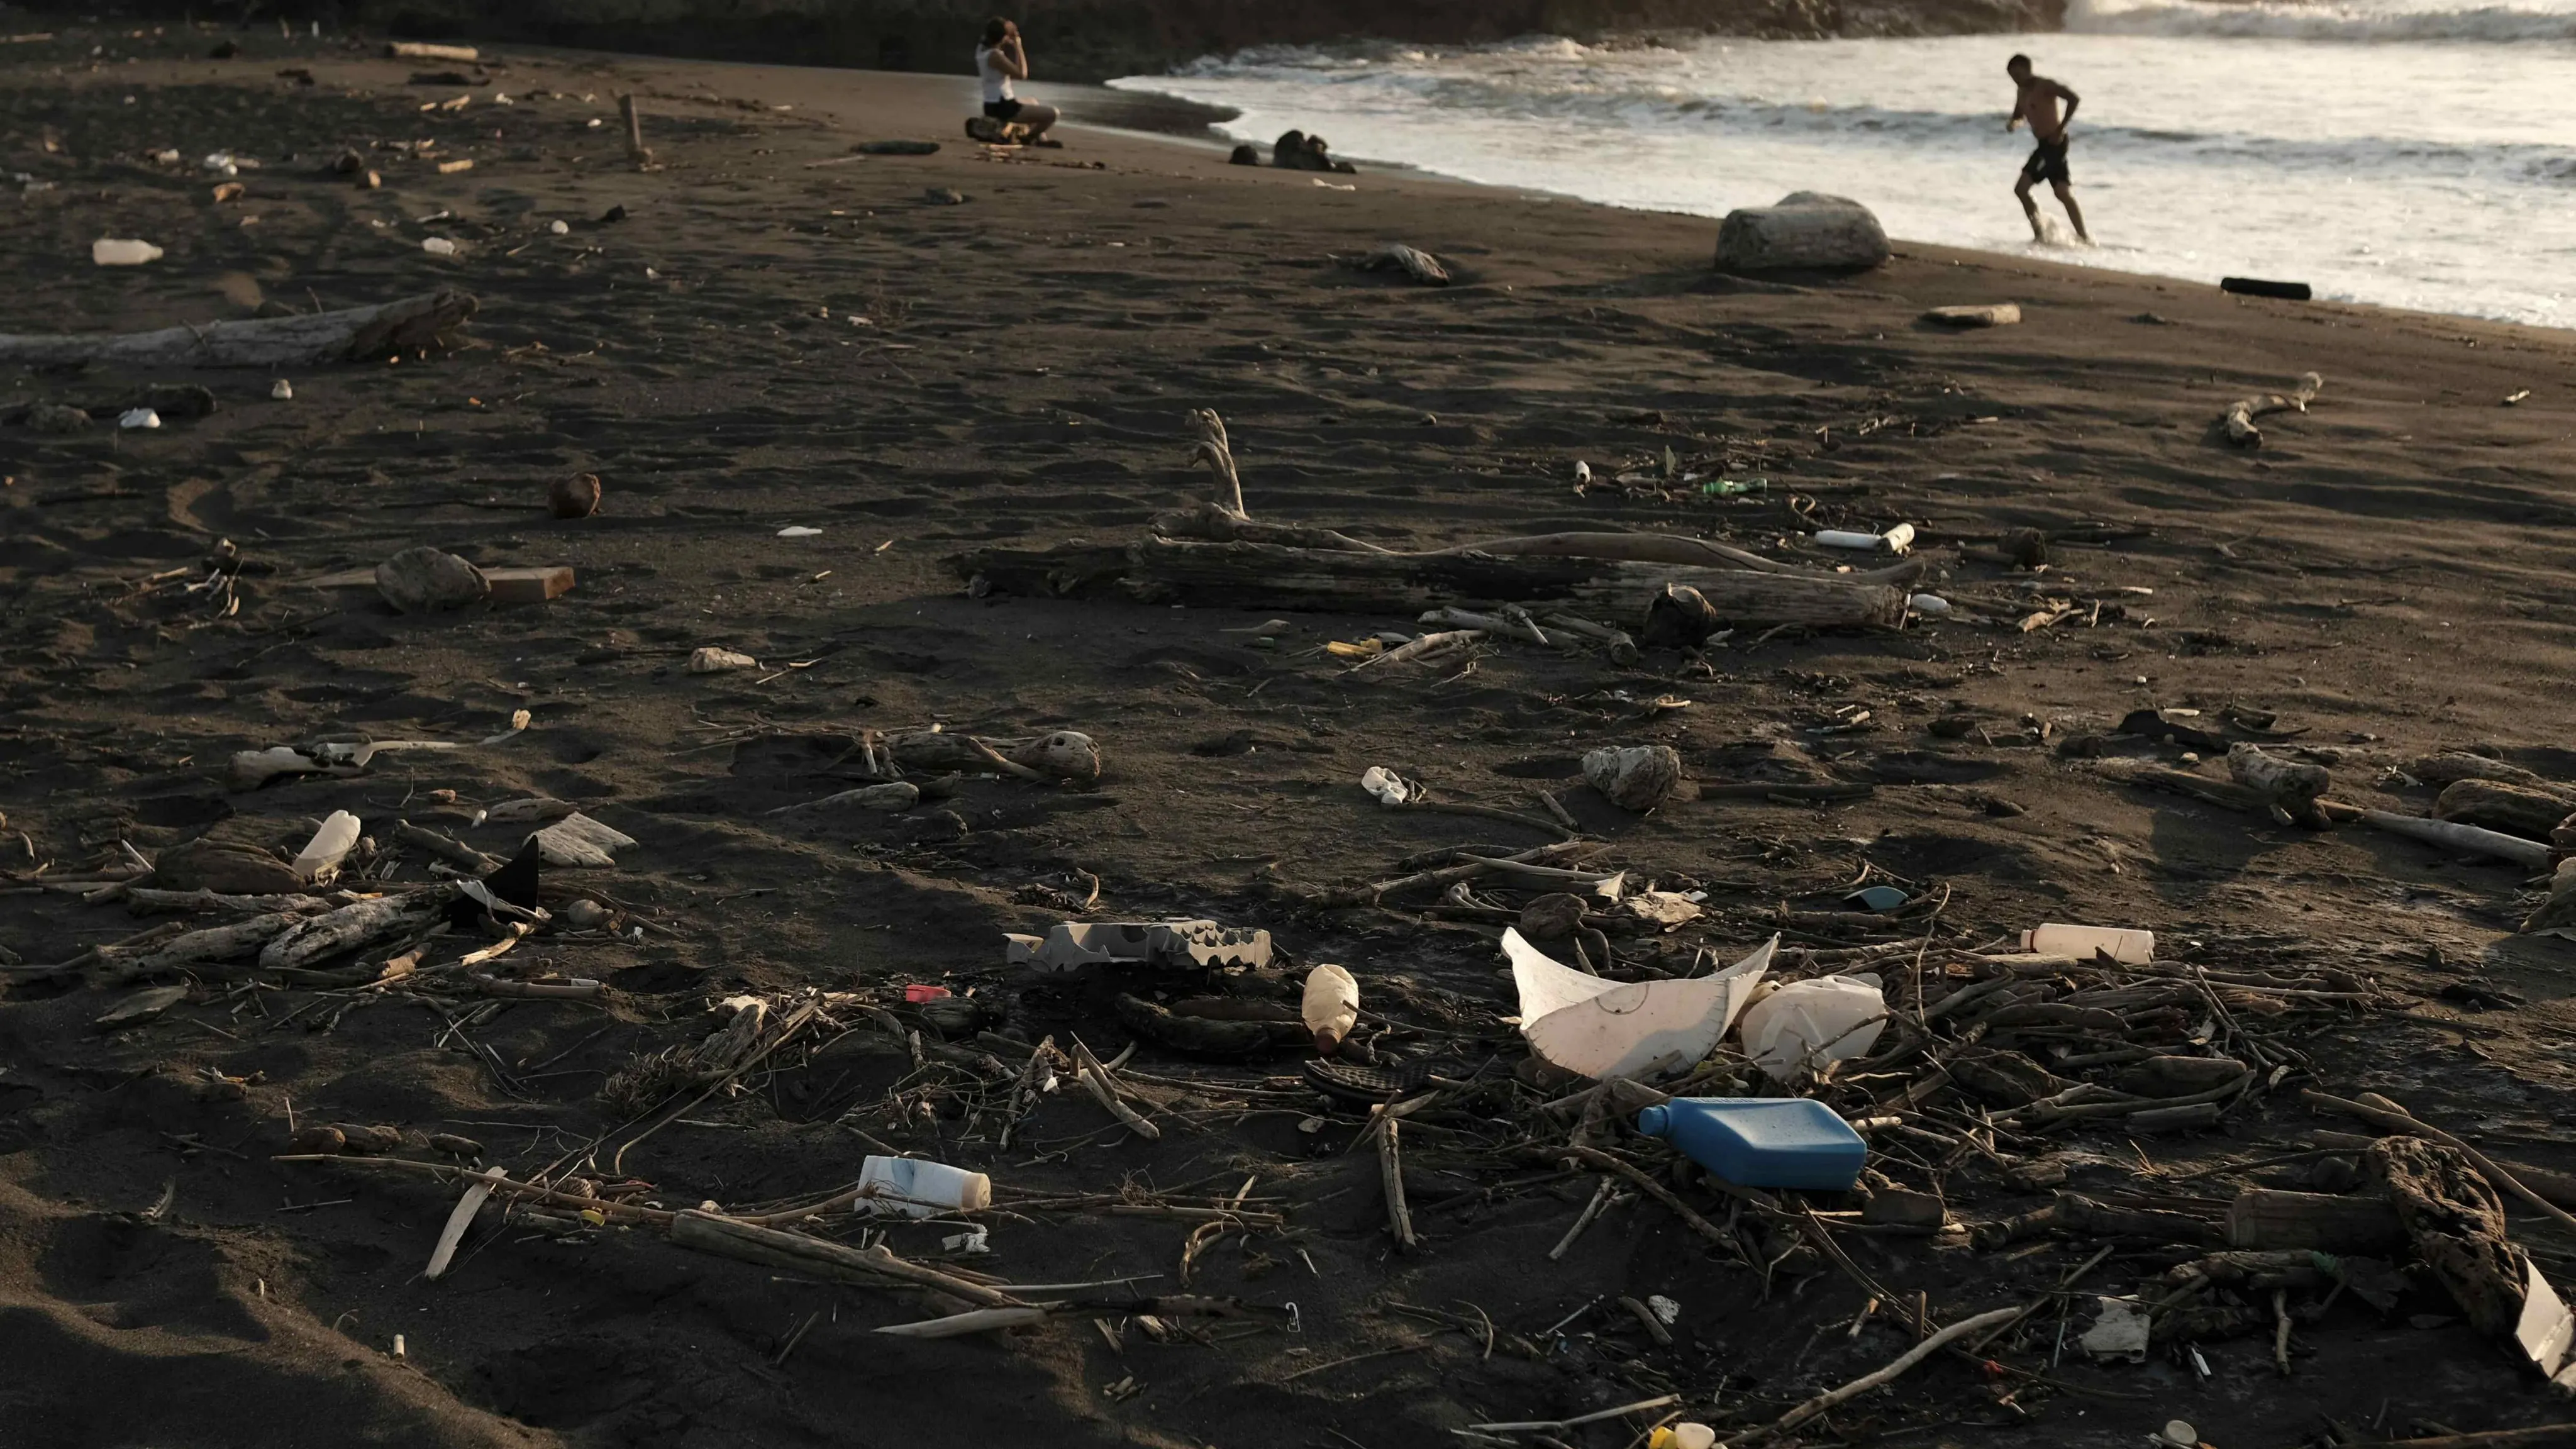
x=2035, y=100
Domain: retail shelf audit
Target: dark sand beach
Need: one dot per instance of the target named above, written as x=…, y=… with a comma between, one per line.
x=920, y=356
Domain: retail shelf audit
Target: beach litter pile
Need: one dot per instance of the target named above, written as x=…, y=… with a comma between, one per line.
x=1625, y=944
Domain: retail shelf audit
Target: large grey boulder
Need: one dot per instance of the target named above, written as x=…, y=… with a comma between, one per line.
x=1806, y=231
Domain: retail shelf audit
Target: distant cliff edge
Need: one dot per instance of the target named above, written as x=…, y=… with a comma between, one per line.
x=1092, y=40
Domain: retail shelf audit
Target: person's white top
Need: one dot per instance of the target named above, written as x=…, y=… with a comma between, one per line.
x=997, y=86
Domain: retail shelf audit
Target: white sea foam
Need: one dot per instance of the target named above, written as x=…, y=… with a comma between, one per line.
x=2368, y=20
x=2428, y=173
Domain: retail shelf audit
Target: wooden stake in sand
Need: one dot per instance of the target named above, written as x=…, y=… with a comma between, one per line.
x=636, y=150
x=358, y=334
x=458, y=1221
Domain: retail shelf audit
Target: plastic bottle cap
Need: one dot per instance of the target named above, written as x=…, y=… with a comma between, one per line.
x=1651, y=1120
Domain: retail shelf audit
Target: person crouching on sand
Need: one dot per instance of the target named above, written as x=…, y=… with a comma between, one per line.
x=1000, y=60
x=2035, y=99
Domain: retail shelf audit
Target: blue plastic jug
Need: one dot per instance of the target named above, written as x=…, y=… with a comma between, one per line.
x=1762, y=1141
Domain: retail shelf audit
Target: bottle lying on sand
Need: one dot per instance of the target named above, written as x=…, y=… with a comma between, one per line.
x=909, y=1187
x=1762, y=1141
x=2129, y=948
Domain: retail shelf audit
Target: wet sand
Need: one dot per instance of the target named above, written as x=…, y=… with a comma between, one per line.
x=775, y=335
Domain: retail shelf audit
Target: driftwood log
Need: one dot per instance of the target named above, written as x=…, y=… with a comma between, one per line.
x=353, y=335
x=2266, y=1218
x=2516, y=809
x=2241, y=414
x=2290, y=787
x=2470, y=839
x=2457, y=1224
x=2443, y=769
x=1214, y=523
x=1270, y=576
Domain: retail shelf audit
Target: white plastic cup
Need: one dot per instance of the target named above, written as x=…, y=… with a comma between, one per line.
x=2129, y=948
x=910, y=1187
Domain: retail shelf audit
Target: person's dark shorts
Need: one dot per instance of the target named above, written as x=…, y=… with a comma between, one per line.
x=2048, y=163
x=1010, y=110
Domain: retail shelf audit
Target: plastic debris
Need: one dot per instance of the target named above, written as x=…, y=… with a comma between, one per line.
x=1879, y=897
x=2129, y=948
x=438, y=246
x=578, y=840
x=320, y=859
x=1895, y=540
x=281, y=391
x=1601, y=1028
x=912, y=1188
x=2120, y=1332
x=139, y=418
x=122, y=252
x=1074, y=944
x=1390, y=788
x=1762, y=1141
x=1331, y=1006
x=712, y=660
x=1809, y=1025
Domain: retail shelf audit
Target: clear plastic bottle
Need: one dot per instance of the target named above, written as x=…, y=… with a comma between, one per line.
x=909, y=1187
x=2129, y=948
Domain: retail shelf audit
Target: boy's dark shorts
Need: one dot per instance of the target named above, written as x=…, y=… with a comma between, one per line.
x=2048, y=163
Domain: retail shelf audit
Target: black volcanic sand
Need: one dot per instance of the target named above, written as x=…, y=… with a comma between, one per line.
x=2388, y=575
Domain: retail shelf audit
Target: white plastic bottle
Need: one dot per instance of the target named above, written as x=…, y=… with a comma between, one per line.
x=909, y=1187
x=1331, y=1007
x=2129, y=948
x=109, y=251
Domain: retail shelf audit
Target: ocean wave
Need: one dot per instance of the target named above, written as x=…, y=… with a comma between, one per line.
x=2291, y=20
x=1599, y=108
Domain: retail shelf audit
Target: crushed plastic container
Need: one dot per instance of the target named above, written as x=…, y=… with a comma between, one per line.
x=2129, y=948
x=1807, y=1026
x=1762, y=1141
x=909, y=1187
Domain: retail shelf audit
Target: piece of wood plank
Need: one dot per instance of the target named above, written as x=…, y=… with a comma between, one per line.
x=534, y=584
x=356, y=334
x=1246, y=575
x=2267, y=1218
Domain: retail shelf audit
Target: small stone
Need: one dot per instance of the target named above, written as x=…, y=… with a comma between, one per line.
x=585, y=914
x=426, y=581
x=711, y=660
x=560, y=228
x=573, y=497
x=281, y=391
x=57, y=419
x=1638, y=777
x=935, y=827
x=944, y=196
x=139, y=418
